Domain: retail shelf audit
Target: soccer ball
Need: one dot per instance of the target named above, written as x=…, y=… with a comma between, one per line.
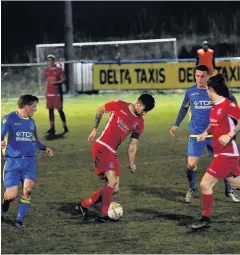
x=115, y=211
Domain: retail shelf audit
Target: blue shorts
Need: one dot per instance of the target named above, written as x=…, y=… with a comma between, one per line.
x=17, y=170
x=195, y=148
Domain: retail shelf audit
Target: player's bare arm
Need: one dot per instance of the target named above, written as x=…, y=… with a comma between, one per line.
x=225, y=139
x=98, y=117
x=132, y=149
x=3, y=144
x=202, y=136
x=181, y=114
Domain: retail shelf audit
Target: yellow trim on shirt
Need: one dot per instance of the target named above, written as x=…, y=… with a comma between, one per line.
x=6, y=141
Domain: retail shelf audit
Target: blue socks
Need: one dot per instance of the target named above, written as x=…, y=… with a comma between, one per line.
x=23, y=207
x=192, y=178
x=228, y=187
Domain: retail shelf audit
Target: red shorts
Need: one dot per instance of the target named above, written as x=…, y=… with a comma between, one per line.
x=224, y=166
x=104, y=159
x=54, y=102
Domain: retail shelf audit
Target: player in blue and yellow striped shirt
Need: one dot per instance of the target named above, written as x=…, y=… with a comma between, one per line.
x=19, y=141
x=196, y=98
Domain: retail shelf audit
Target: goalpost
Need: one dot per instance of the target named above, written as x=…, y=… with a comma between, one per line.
x=108, y=50
x=87, y=52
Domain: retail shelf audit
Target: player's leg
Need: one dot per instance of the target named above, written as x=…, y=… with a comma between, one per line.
x=11, y=180
x=59, y=106
x=192, y=177
x=50, y=107
x=234, y=177
x=107, y=194
x=83, y=206
x=24, y=203
x=207, y=184
x=28, y=177
x=52, y=121
x=63, y=119
x=97, y=195
x=195, y=150
x=116, y=188
x=228, y=187
x=9, y=195
x=93, y=199
x=235, y=181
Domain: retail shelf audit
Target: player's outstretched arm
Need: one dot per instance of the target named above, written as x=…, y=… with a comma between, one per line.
x=98, y=117
x=181, y=114
x=132, y=149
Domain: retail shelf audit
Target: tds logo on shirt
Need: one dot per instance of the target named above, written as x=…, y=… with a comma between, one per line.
x=24, y=136
x=203, y=104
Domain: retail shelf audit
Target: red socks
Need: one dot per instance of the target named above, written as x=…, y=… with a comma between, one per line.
x=106, y=194
x=106, y=199
x=94, y=197
x=207, y=204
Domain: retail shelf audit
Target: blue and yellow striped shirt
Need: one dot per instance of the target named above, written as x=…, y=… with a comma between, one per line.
x=20, y=134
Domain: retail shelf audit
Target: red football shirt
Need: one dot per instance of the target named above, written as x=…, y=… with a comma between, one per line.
x=120, y=124
x=221, y=124
x=54, y=74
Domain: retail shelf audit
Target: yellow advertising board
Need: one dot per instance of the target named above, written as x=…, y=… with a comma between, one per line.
x=156, y=75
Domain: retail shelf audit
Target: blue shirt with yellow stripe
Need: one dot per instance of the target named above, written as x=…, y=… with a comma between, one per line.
x=20, y=134
x=200, y=107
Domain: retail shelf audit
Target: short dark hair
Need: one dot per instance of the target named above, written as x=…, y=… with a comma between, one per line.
x=202, y=68
x=218, y=84
x=148, y=101
x=26, y=100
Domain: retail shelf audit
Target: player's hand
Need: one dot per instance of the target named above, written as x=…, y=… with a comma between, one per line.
x=132, y=167
x=49, y=152
x=201, y=137
x=92, y=135
x=224, y=139
x=3, y=144
x=173, y=130
x=51, y=80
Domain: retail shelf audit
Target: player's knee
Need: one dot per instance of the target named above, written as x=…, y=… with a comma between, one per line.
x=191, y=167
x=112, y=181
x=27, y=192
x=204, y=186
x=116, y=189
x=11, y=196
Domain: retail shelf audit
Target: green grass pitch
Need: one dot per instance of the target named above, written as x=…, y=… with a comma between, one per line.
x=155, y=215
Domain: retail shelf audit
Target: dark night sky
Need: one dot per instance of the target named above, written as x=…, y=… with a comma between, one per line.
x=25, y=24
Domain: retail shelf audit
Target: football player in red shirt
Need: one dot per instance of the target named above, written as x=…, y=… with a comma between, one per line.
x=125, y=119
x=226, y=154
x=54, y=96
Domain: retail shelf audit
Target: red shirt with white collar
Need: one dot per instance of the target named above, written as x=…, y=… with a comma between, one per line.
x=221, y=124
x=121, y=123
